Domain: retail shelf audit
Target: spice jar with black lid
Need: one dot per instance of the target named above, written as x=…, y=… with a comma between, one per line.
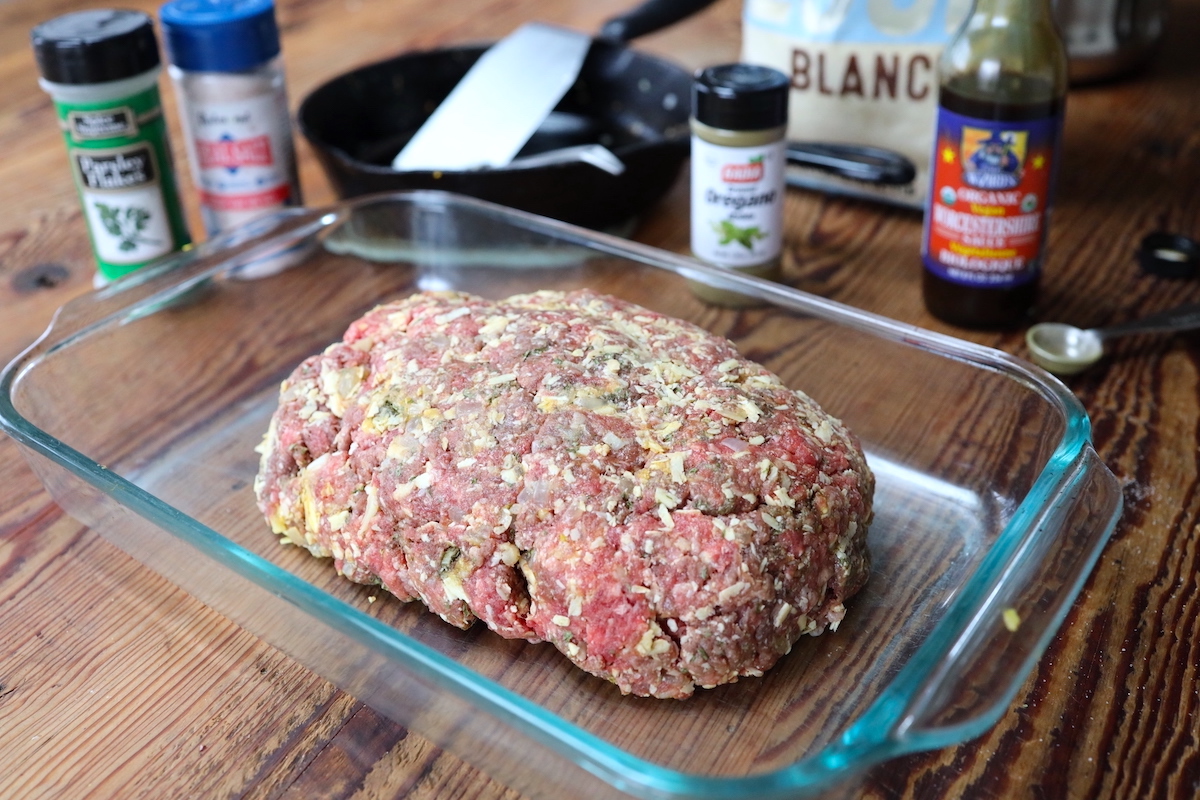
x=739, y=121
x=101, y=69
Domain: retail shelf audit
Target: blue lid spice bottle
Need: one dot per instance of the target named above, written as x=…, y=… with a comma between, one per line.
x=227, y=69
x=101, y=69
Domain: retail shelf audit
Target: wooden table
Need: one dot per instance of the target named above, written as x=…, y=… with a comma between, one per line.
x=113, y=683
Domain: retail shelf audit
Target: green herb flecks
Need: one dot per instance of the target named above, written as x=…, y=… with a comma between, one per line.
x=126, y=224
x=732, y=233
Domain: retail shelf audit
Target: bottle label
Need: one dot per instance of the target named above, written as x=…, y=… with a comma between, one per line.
x=103, y=124
x=737, y=203
x=123, y=202
x=122, y=167
x=985, y=220
x=241, y=153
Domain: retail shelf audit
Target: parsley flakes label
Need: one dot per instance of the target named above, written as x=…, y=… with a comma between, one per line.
x=123, y=203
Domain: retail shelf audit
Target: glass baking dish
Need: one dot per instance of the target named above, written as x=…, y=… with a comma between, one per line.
x=141, y=406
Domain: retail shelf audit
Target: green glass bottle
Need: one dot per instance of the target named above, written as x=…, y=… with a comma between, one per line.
x=1001, y=100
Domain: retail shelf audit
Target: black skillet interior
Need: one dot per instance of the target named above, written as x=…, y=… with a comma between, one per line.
x=635, y=104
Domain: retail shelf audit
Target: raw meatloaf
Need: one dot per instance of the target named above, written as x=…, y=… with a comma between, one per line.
x=576, y=469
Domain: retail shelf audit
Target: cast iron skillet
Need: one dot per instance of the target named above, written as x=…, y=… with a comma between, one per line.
x=635, y=104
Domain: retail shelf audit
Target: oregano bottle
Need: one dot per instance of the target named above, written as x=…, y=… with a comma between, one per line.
x=1002, y=89
x=739, y=118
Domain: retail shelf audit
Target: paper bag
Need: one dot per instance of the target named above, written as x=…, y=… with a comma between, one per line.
x=862, y=72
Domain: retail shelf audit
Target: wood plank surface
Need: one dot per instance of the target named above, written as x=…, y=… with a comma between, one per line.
x=114, y=683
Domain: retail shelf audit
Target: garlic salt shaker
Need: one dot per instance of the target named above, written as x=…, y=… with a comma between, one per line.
x=228, y=74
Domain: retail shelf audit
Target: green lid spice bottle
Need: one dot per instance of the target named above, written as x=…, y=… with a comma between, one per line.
x=1003, y=83
x=739, y=118
x=101, y=69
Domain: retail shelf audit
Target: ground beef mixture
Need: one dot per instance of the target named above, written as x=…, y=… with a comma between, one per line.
x=573, y=468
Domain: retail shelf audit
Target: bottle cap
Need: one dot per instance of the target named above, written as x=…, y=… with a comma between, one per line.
x=95, y=46
x=219, y=35
x=740, y=97
x=1169, y=255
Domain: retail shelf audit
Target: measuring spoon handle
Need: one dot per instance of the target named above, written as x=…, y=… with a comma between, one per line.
x=1182, y=318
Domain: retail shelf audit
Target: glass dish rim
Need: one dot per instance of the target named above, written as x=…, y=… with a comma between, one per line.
x=869, y=739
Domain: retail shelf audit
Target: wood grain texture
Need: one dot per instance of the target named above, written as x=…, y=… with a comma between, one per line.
x=114, y=683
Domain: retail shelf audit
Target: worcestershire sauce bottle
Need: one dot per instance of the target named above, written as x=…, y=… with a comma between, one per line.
x=1002, y=87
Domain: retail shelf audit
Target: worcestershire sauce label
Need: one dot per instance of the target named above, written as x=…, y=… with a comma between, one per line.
x=126, y=185
x=986, y=218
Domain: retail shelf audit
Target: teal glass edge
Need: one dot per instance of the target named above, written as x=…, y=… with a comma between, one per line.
x=868, y=741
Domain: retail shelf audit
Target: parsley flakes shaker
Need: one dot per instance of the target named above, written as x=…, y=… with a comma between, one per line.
x=739, y=121
x=226, y=64
x=101, y=69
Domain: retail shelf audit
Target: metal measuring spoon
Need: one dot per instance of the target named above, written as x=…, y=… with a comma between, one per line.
x=1067, y=350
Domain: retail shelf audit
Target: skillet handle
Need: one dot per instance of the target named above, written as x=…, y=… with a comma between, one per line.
x=856, y=162
x=650, y=16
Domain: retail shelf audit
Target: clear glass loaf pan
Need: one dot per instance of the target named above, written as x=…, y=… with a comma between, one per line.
x=141, y=406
